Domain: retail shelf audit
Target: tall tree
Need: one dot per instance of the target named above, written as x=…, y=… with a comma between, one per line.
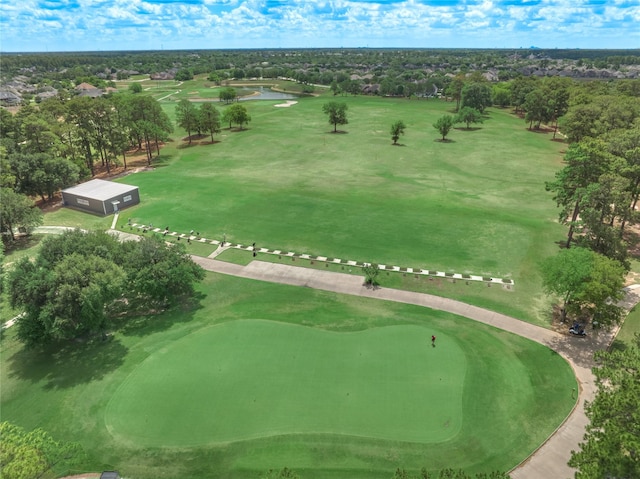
x=149, y=122
x=557, y=91
x=520, y=88
x=337, y=113
x=187, y=116
x=444, y=125
x=38, y=135
x=397, y=130
x=209, y=119
x=625, y=144
x=454, y=89
x=611, y=447
x=16, y=211
x=80, y=114
x=501, y=95
x=585, y=163
x=476, y=95
x=603, y=206
x=565, y=274
x=536, y=106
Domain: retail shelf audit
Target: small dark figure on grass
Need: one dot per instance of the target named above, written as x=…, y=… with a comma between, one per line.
x=433, y=341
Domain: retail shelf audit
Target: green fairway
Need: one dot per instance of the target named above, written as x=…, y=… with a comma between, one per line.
x=474, y=205
x=329, y=385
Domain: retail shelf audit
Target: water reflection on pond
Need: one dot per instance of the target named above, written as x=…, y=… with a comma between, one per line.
x=262, y=93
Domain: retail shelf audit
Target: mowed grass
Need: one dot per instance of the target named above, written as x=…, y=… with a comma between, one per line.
x=475, y=204
x=255, y=376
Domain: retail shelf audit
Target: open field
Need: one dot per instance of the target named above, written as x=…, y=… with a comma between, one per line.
x=473, y=205
x=256, y=376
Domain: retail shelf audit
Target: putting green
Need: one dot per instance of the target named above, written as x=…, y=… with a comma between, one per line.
x=253, y=378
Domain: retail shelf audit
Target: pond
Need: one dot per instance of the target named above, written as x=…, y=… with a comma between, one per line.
x=262, y=93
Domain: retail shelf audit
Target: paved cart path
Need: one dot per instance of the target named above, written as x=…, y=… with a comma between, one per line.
x=549, y=461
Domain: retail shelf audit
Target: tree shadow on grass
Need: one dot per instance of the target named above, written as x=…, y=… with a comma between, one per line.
x=156, y=321
x=447, y=140
x=338, y=132
x=184, y=146
x=65, y=365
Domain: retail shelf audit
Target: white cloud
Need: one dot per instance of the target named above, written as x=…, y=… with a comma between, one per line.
x=354, y=23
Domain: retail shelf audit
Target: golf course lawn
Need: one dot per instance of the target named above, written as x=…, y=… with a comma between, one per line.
x=473, y=205
x=252, y=376
x=255, y=376
x=251, y=379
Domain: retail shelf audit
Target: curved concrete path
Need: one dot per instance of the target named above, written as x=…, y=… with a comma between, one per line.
x=549, y=461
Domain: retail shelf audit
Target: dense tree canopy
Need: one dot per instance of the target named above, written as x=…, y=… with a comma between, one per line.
x=611, y=447
x=476, y=95
x=79, y=279
x=587, y=282
x=17, y=211
x=29, y=455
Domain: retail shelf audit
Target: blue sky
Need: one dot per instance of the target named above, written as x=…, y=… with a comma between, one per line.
x=82, y=25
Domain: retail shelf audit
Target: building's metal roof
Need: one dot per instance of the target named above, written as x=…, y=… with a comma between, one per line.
x=100, y=189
